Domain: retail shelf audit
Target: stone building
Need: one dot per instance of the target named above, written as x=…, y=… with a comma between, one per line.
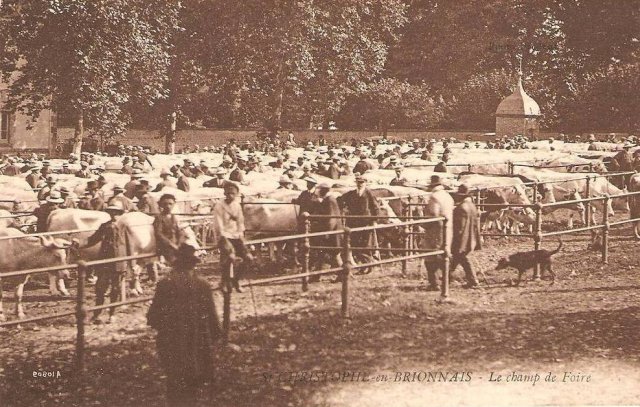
x=20, y=132
x=517, y=114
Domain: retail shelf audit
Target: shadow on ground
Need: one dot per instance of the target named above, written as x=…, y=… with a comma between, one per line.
x=127, y=373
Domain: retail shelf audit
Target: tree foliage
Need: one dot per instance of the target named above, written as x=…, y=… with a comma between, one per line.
x=94, y=58
x=390, y=103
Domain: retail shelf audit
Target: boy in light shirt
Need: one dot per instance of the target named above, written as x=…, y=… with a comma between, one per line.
x=230, y=224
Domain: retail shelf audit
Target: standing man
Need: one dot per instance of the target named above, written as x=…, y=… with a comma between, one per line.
x=96, y=202
x=113, y=244
x=83, y=172
x=360, y=201
x=118, y=196
x=184, y=314
x=398, y=180
x=229, y=221
x=54, y=200
x=130, y=187
x=327, y=205
x=218, y=181
x=440, y=204
x=44, y=192
x=306, y=200
x=169, y=235
x=68, y=202
x=466, y=235
x=146, y=203
x=166, y=182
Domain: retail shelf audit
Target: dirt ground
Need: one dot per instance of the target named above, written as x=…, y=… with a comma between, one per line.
x=500, y=345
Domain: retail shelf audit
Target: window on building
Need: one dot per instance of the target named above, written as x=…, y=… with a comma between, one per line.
x=5, y=118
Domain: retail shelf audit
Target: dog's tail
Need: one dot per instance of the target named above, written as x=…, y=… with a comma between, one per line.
x=558, y=249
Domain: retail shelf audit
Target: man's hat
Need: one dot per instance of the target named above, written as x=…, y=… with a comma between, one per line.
x=84, y=164
x=64, y=190
x=116, y=206
x=311, y=180
x=51, y=179
x=164, y=172
x=435, y=180
x=324, y=185
x=118, y=188
x=55, y=197
x=35, y=169
x=463, y=189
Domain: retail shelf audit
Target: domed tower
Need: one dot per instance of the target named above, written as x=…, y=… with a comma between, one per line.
x=517, y=114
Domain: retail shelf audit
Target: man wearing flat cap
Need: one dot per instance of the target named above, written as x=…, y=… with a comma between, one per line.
x=466, y=235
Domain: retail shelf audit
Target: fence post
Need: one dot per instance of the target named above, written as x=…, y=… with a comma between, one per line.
x=446, y=260
x=605, y=230
x=306, y=250
x=535, y=192
x=587, y=209
x=227, y=287
x=405, y=211
x=346, y=271
x=537, y=237
x=468, y=167
x=510, y=167
x=81, y=314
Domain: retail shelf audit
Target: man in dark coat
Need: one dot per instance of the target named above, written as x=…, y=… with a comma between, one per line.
x=466, y=235
x=360, y=201
x=113, y=243
x=184, y=314
x=307, y=200
x=43, y=211
x=362, y=166
x=326, y=205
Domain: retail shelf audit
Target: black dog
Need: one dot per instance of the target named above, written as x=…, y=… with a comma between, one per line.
x=522, y=261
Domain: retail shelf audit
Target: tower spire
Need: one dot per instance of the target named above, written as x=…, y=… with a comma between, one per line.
x=519, y=57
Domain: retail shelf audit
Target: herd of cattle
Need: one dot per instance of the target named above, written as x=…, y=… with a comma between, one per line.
x=269, y=210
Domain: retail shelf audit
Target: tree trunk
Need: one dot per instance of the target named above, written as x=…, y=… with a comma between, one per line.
x=78, y=133
x=170, y=138
x=277, y=119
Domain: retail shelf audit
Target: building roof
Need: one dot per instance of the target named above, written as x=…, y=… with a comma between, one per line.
x=518, y=103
